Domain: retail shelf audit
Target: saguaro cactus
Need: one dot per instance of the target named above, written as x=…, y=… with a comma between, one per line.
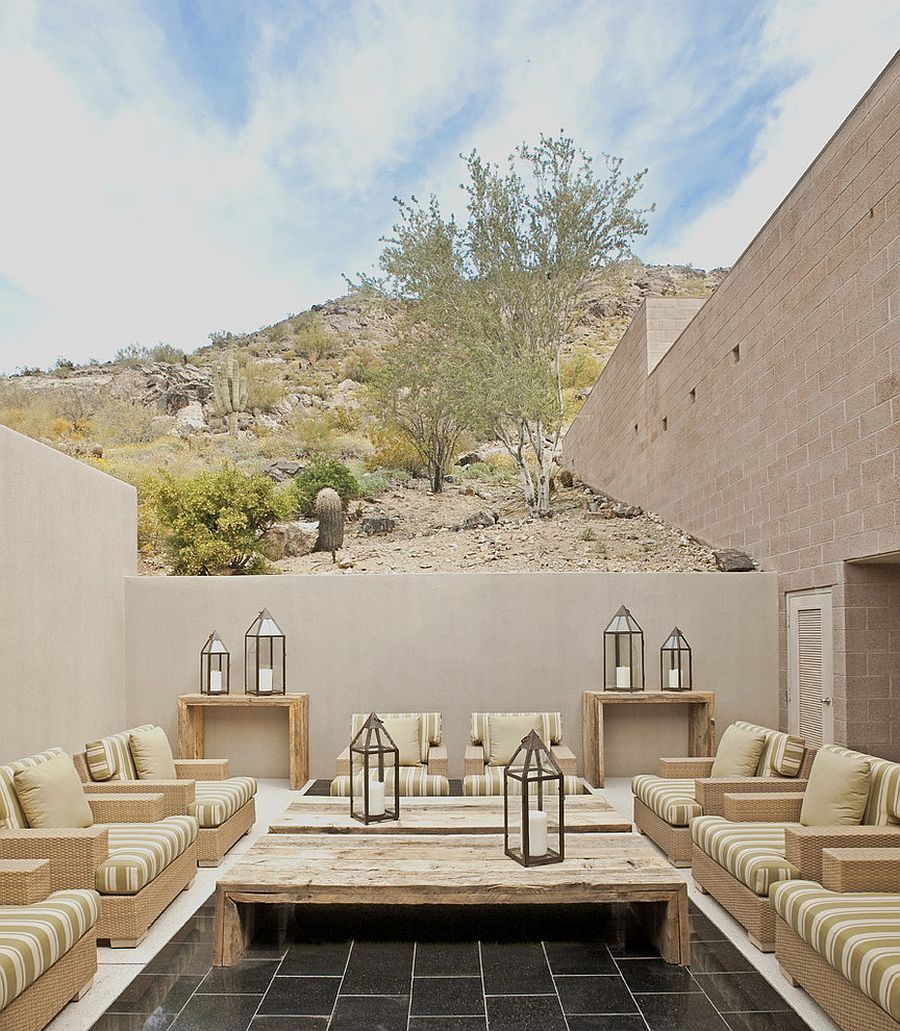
x=330, y=511
x=230, y=390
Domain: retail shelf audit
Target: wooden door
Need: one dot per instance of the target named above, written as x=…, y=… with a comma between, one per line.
x=810, y=662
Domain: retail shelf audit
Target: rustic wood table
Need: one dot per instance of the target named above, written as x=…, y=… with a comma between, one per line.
x=191, y=724
x=457, y=869
x=312, y=814
x=701, y=707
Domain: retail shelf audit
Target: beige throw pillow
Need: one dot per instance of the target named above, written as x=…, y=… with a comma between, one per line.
x=152, y=754
x=738, y=753
x=51, y=794
x=837, y=792
x=405, y=732
x=503, y=735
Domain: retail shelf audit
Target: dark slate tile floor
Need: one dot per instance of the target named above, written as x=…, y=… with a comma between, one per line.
x=488, y=969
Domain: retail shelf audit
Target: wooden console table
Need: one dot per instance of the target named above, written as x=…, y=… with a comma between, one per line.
x=191, y=725
x=701, y=722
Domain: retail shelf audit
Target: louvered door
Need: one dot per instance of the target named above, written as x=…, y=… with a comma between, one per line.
x=810, y=666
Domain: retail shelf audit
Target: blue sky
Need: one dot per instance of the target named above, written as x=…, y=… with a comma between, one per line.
x=173, y=168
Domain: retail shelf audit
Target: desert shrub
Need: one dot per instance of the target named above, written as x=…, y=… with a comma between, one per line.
x=373, y=484
x=324, y=472
x=131, y=355
x=343, y=419
x=166, y=353
x=312, y=337
x=121, y=422
x=394, y=450
x=214, y=522
x=312, y=433
x=580, y=369
x=486, y=471
x=265, y=386
x=361, y=363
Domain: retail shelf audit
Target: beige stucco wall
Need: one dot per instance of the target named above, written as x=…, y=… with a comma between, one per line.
x=67, y=542
x=452, y=642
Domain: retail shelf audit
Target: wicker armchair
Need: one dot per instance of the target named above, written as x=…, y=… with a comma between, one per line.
x=758, y=841
x=665, y=804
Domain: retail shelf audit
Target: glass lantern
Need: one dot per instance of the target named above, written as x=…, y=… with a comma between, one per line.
x=675, y=670
x=534, y=829
x=623, y=653
x=215, y=666
x=264, y=657
x=374, y=774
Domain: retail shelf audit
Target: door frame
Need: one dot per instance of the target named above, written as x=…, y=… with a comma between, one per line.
x=793, y=602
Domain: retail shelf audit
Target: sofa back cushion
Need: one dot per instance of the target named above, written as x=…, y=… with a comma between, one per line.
x=109, y=758
x=883, y=806
x=406, y=733
x=152, y=754
x=11, y=815
x=431, y=729
x=504, y=733
x=550, y=725
x=838, y=789
x=739, y=751
x=51, y=795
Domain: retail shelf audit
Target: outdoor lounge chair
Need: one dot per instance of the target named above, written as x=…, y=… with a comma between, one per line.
x=664, y=805
x=484, y=761
x=763, y=839
x=48, y=944
x=223, y=806
x=135, y=857
x=424, y=767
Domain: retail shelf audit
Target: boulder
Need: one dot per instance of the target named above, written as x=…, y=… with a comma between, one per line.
x=283, y=469
x=167, y=387
x=190, y=418
x=565, y=478
x=478, y=521
x=287, y=540
x=380, y=524
x=729, y=560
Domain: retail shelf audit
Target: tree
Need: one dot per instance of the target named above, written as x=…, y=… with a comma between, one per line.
x=502, y=291
x=322, y=473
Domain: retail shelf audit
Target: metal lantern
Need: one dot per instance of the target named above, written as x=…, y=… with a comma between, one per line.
x=623, y=653
x=675, y=669
x=264, y=657
x=215, y=666
x=374, y=774
x=534, y=831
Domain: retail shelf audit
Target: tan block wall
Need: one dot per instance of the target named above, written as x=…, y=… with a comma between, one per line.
x=68, y=539
x=452, y=642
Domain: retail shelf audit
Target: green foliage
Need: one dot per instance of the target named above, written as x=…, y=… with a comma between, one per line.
x=214, y=522
x=312, y=337
x=323, y=473
x=265, y=386
x=64, y=364
x=394, y=450
x=166, y=354
x=580, y=370
x=120, y=422
x=362, y=363
x=130, y=356
x=230, y=390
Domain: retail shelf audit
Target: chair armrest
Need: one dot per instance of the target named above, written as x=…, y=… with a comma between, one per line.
x=473, y=764
x=710, y=793
x=775, y=808
x=74, y=853
x=177, y=794
x=438, y=761
x=202, y=769
x=136, y=808
x=861, y=869
x=24, y=881
x=690, y=766
x=566, y=760
x=803, y=846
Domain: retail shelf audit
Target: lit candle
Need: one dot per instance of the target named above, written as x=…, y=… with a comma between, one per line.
x=215, y=681
x=265, y=681
x=673, y=680
x=376, y=797
x=537, y=833
x=623, y=677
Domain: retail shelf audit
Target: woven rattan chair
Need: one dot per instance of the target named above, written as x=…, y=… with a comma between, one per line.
x=683, y=788
x=49, y=937
x=759, y=841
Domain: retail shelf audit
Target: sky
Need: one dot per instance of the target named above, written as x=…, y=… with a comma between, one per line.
x=172, y=168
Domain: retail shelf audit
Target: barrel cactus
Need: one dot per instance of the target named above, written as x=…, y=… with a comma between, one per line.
x=330, y=513
x=230, y=390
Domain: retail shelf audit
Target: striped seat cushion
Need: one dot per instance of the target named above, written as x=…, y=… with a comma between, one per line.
x=138, y=852
x=33, y=938
x=751, y=852
x=218, y=800
x=672, y=800
x=491, y=783
x=857, y=934
x=414, y=781
x=11, y=815
x=110, y=757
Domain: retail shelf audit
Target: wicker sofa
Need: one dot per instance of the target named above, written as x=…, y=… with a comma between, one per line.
x=427, y=777
x=759, y=841
x=135, y=857
x=840, y=940
x=684, y=788
x=224, y=807
x=481, y=778
x=48, y=944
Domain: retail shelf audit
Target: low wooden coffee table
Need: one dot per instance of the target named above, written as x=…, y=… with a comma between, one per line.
x=457, y=869
x=315, y=814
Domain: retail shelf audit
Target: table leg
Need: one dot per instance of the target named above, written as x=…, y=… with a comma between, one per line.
x=298, y=739
x=230, y=935
x=700, y=732
x=668, y=925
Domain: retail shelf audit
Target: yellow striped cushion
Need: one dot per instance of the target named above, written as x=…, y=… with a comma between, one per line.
x=110, y=758
x=782, y=753
x=431, y=727
x=11, y=815
x=491, y=783
x=33, y=938
x=415, y=781
x=751, y=852
x=857, y=934
x=218, y=800
x=551, y=722
x=672, y=800
x=138, y=852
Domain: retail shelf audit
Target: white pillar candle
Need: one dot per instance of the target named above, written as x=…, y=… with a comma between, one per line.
x=537, y=833
x=215, y=681
x=376, y=797
x=265, y=681
x=673, y=680
x=623, y=677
